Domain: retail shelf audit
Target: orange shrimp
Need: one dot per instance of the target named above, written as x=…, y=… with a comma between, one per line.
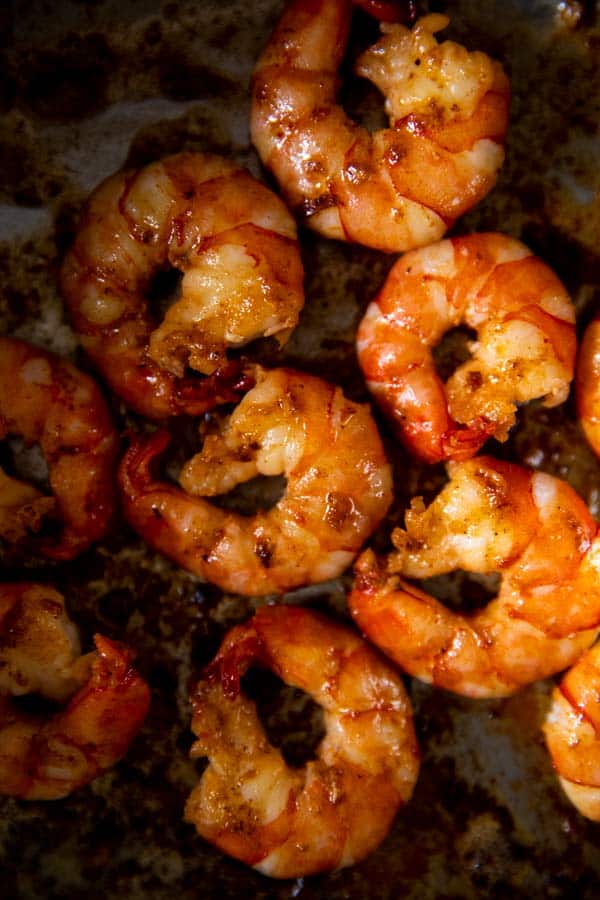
x=336, y=809
x=46, y=757
x=491, y=517
x=403, y=186
x=338, y=489
x=572, y=730
x=587, y=384
x=48, y=401
x=525, y=346
x=235, y=243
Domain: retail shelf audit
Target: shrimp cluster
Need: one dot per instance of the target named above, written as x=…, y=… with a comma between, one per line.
x=46, y=400
x=525, y=347
x=401, y=187
x=572, y=729
x=491, y=517
x=47, y=756
x=336, y=809
x=235, y=243
x=338, y=488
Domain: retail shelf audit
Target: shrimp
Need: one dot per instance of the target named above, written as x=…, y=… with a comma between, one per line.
x=491, y=517
x=525, y=347
x=46, y=400
x=403, y=186
x=47, y=756
x=22, y=508
x=572, y=730
x=339, y=807
x=235, y=243
x=587, y=384
x=338, y=488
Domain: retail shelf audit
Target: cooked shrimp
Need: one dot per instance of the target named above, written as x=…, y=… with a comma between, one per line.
x=22, y=508
x=587, y=384
x=572, y=730
x=235, y=243
x=338, y=489
x=46, y=757
x=403, y=186
x=525, y=346
x=491, y=517
x=333, y=812
x=46, y=400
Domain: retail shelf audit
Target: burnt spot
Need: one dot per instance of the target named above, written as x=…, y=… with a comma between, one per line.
x=395, y=154
x=495, y=487
x=264, y=551
x=315, y=167
x=312, y=206
x=474, y=380
x=339, y=509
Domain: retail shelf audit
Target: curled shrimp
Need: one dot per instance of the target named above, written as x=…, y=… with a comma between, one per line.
x=338, y=488
x=403, y=186
x=491, y=517
x=525, y=346
x=46, y=400
x=235, y=243
x=572, y=730
x=587, y=384
x=47, y=756
x=333, y=812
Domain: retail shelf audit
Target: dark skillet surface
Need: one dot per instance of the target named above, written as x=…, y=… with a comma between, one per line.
x=89, y=86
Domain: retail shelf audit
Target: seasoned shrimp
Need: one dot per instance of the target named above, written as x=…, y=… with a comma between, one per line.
x=338, y=489
x=572, y=730
x=587, y=384
x=491, y=517
x=333, y=812
x=46, y=400
x=525, y=346
x=22, y=508
x=46, y=757
x=235, y=243
x=403, y=186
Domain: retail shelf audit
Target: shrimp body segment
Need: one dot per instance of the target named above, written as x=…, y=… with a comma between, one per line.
x=491, y=517
x=587, y=384
x=235, y=243
x=47, y=756
x=338, y=489
x=47, y=401
x=524, y=348
x=572, y=730
x=400, y=187
x=335, y=810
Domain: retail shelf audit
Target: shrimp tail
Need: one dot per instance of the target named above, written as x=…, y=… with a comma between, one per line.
x=138, y=461
x=193, y=397
x=227, y=668
x=404, y=11
x=110, y=709
x=461, y=443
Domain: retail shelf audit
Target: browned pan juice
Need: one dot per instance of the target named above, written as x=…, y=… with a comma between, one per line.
x=88, y=87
